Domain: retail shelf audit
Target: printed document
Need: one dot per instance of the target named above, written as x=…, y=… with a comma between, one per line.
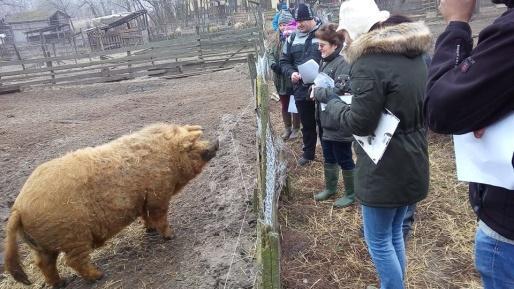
x=375, y=145
x=489, y=159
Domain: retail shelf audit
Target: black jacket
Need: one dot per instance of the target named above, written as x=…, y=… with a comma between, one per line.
x=336, y=67
x=469, y=89
x=298, y=49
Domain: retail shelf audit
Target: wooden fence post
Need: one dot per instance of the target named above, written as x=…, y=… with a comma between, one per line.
x=268, y=237
x=18, y=55
x=49, y=64
x=199, y=40
x=75, y=47
x=128, y=55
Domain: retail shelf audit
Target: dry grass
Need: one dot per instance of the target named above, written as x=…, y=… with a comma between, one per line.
x=323, y=248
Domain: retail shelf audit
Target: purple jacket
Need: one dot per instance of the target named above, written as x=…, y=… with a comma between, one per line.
x=469, y=89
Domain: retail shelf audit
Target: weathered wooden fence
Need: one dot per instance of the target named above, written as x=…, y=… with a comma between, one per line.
x=271, y=181
x=174, y=58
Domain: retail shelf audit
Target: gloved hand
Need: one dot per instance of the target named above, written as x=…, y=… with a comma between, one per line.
x=276, y=68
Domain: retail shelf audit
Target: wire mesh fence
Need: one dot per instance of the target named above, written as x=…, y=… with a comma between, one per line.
x=271, y=179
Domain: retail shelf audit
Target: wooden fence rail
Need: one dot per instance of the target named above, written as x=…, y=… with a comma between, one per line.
x=215, y=50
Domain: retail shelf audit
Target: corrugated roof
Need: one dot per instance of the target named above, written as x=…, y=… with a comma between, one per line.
x=125, y=19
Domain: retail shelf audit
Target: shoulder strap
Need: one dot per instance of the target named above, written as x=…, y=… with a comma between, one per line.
x=291, y=40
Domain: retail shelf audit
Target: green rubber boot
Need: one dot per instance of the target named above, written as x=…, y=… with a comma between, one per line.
x=331, y=178
x=349, y=191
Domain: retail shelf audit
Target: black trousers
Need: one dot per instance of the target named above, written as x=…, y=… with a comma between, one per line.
x=307, y=111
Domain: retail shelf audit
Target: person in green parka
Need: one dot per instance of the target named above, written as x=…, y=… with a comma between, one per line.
x=335, y=141
x=283, y=83
x=388, y=71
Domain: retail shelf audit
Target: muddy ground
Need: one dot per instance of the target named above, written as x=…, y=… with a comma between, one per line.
x=212, y=218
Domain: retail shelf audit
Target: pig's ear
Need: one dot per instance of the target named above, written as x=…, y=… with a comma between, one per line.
x=193, y=128
x=191, y=138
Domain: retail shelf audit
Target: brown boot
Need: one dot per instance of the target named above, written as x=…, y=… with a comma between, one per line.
x=286, y=118
x=295, y=133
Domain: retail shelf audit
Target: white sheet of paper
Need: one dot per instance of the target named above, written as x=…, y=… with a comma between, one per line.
x=292, y=105
x=323, y=80
x=375, y=145
x=308, y=71
x=347, y=98
x=487, y=160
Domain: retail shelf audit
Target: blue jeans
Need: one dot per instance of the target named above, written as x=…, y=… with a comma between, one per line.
x=384, y=237
x=408, y=221
x=494, y=261
x=335, y=152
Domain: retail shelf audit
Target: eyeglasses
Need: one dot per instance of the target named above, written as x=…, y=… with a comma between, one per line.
x=323, y=45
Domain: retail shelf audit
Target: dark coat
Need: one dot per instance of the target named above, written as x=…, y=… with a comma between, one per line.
x=479, y=90
x=283, y=84
x=389, y=72
x=470, y=89
x=299, y=48
x=336, y=67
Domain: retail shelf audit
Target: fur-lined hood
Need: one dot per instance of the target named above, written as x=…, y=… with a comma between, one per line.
x=410, y=39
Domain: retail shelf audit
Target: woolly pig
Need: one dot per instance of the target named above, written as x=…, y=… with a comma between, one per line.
x=178, y=32
x=213, y=29
x=75, y=203
x=239, y=26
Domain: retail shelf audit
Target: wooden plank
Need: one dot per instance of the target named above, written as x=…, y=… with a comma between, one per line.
x=5, y=89
x=274, y=245
x=241, y=41
x=232, y=37
x=229, y=32
x=81, y=70
x=167, y=43
x=245, y=51
x=98, y=54
x=231, y=55
x=200, y=72
x=84, y=76
x=119, y=61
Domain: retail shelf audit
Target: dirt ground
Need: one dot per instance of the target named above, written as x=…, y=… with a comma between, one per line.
x=214, y=225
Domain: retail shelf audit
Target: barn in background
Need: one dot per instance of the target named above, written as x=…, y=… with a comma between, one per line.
x=32, y=26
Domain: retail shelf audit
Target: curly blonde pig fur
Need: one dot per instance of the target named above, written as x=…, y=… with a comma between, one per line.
x=73, y=204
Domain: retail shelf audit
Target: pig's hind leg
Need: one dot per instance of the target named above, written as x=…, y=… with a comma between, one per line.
x=47, y=263
x=78, y=258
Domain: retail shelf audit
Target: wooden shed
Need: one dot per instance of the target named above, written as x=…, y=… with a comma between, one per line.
x=31, y=26
x=124, y=31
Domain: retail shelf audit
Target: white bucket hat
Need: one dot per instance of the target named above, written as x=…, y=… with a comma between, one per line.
x=358, y=16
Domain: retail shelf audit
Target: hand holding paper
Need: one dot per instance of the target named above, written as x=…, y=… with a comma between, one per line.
x=295, y=77
x=308, y=71
x=488, y=159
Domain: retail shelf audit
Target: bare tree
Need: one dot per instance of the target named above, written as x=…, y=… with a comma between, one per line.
x=126, y=5
x=63, y=5
x=12, y=6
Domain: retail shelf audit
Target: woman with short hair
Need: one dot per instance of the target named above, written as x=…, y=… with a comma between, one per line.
x=335, y=141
